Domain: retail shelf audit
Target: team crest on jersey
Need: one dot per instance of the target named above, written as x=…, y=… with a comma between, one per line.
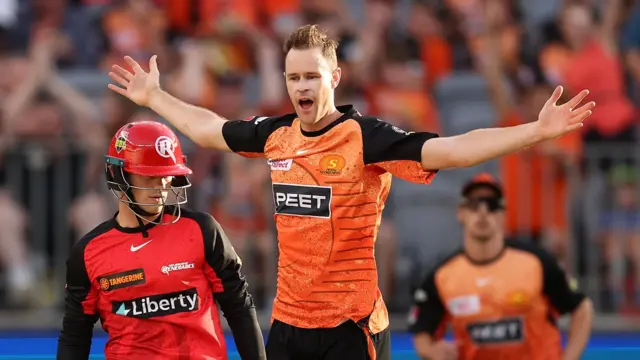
x=332, y=165
x=518, y=298
x=121, y=141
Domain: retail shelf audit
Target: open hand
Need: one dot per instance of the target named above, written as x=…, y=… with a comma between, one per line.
x=555, y=120
x=138, y=86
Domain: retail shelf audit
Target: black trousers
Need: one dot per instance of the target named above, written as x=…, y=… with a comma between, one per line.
x=346, y=341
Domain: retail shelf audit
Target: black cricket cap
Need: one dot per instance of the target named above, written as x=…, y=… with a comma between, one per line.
x=482, y=180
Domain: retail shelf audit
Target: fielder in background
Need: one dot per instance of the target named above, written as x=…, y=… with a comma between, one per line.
x=501, y=299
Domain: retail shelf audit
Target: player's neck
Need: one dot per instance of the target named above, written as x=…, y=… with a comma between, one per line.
x=483, y=251
x=332, y=115
x=127, y=219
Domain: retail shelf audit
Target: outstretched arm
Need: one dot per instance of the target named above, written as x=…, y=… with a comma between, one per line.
x=202, y=126
x=481, y=145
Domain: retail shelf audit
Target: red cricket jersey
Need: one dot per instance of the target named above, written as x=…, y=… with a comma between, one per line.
x=156, y=296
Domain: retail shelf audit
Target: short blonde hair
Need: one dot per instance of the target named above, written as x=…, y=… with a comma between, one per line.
x=310, y=37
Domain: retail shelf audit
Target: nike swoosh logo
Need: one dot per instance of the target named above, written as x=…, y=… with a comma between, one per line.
x=136, y=248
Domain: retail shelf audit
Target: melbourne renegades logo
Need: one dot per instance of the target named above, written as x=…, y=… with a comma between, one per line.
x=165, y=147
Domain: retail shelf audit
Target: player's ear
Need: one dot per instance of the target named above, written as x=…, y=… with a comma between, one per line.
x=335, y=77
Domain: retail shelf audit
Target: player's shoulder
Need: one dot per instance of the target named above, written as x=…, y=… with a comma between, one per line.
x=272, y=122
x=202, y=219
x=536, y=251
x=205, y=221
x=78, y=249
x=370, y=124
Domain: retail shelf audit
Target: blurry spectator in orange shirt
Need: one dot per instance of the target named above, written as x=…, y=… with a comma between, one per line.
x=224, y=26
x=535, y=180
x=426, y=28
x=588, y=58
x=136, y=28
x=399, y=93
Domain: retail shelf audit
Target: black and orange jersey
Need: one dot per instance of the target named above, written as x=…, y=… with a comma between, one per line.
x=157, y=296
x=503, y=309
x=329, y=190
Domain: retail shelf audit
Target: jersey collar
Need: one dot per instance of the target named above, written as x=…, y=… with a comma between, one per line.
x=487, y=261
x=348, y=112
x=133, y=230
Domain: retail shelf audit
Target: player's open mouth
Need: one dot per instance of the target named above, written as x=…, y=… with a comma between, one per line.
x=305, y=103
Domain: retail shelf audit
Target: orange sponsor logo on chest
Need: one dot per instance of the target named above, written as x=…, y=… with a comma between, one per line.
x=332, y=165
x=519, y=298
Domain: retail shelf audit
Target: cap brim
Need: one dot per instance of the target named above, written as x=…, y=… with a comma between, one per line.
x=175, y=170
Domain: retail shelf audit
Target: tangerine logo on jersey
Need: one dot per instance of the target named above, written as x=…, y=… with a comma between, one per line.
x=332, y=165
x=122, y=279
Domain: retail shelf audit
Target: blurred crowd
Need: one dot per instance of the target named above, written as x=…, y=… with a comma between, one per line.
x=445, y=66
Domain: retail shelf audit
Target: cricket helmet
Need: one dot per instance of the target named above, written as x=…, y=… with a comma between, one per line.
x=147, y=148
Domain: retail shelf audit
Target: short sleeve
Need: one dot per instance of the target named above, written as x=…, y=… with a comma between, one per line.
x=428, y=313
x=563, y=296
x=249, y=137
x=395, y=150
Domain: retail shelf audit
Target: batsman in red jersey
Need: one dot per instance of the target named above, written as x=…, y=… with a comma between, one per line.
x=154, y=272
